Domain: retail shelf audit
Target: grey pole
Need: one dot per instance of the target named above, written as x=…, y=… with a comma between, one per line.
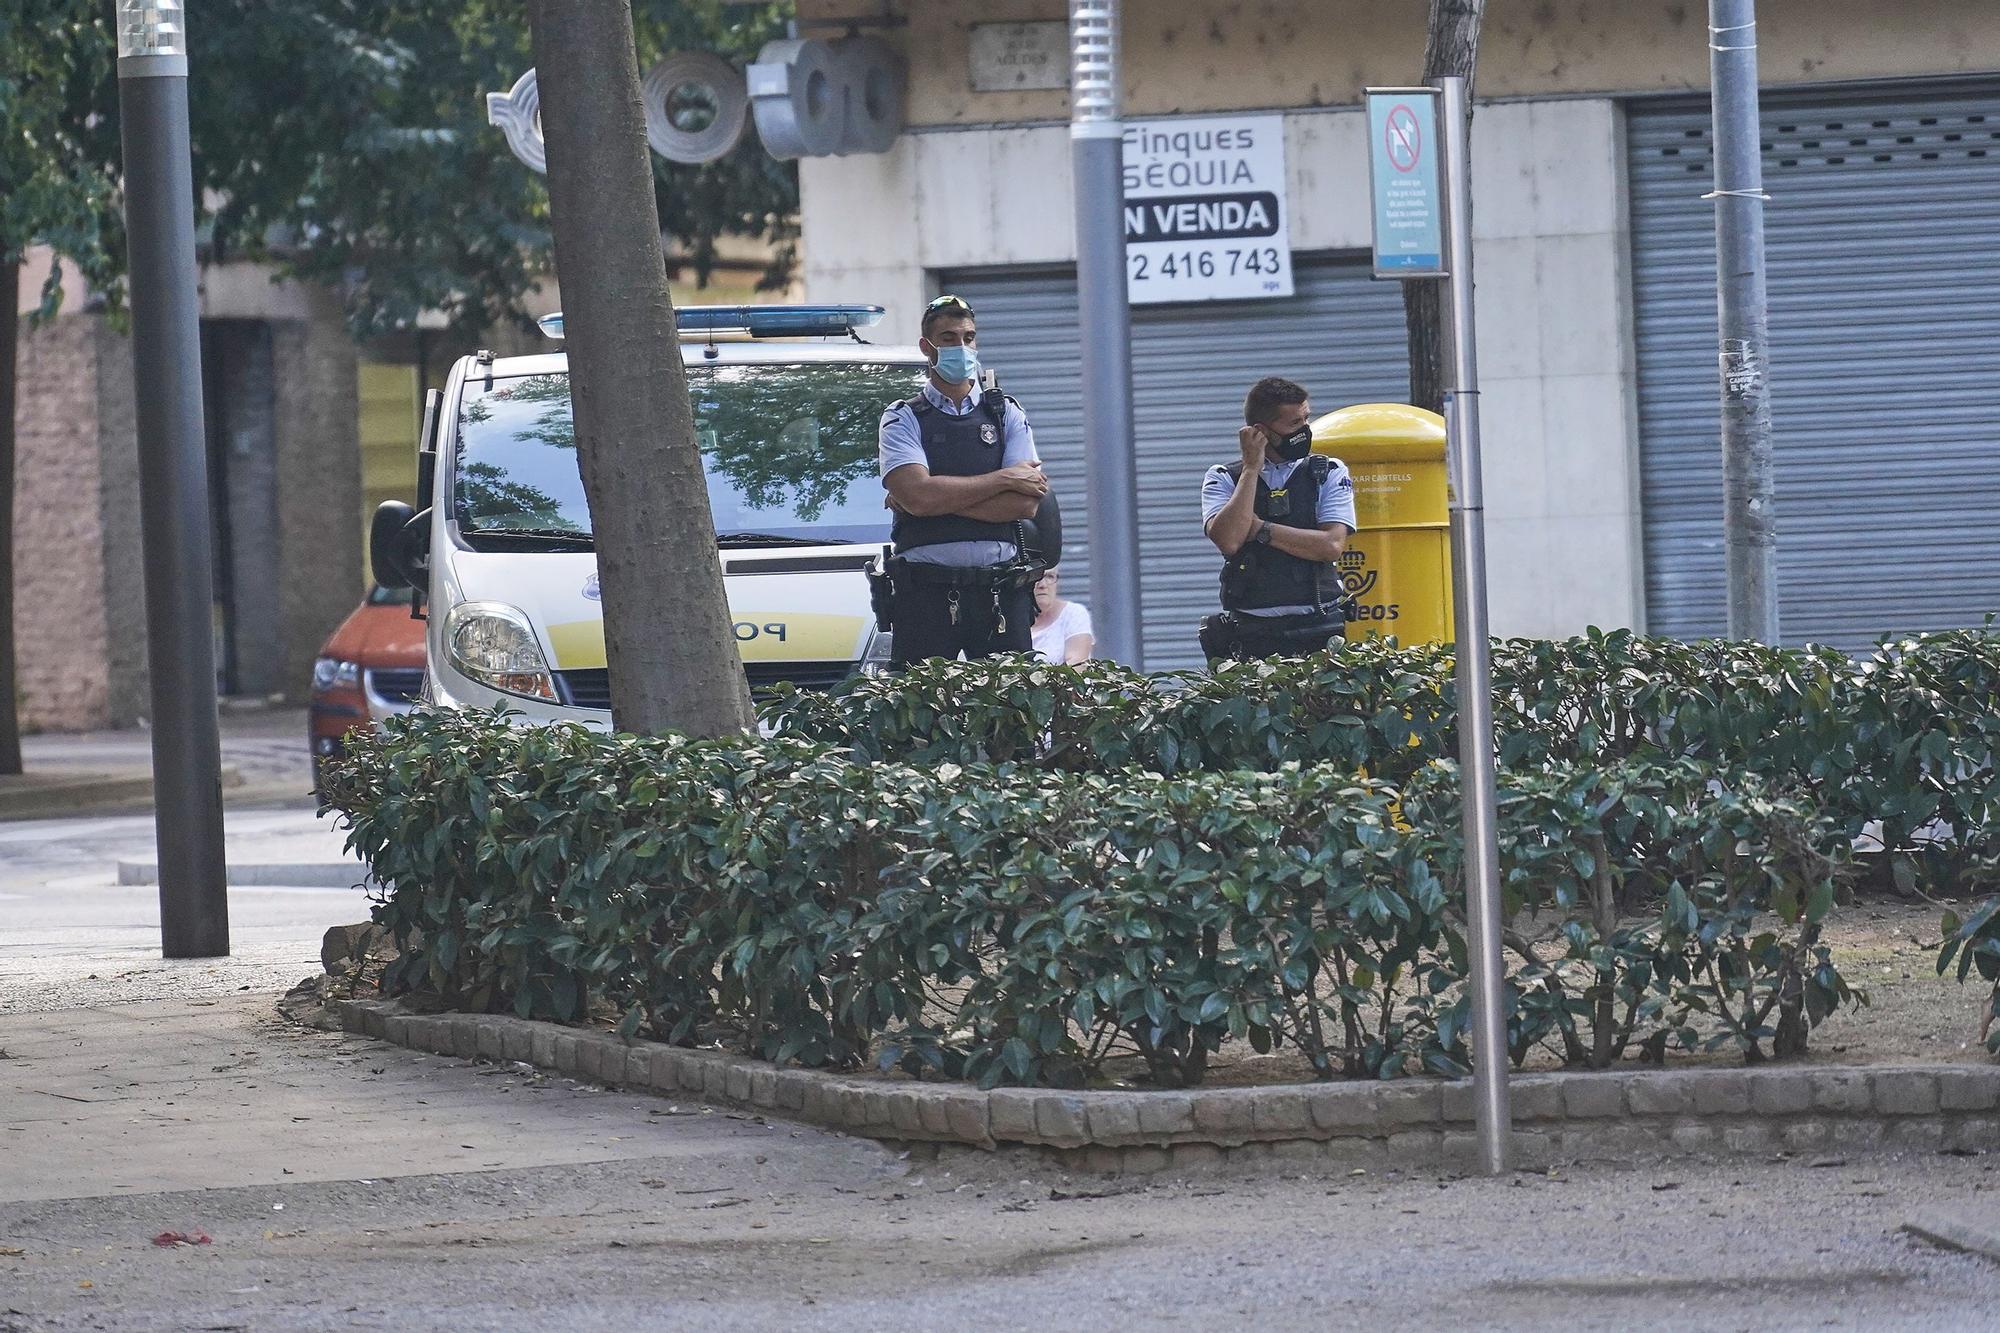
x=1749, y=523
x=1474, y=652
x=1097, y=138
x=173, y=477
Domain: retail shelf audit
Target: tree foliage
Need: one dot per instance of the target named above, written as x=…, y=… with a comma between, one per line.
x=346, y=141
x=56, y=182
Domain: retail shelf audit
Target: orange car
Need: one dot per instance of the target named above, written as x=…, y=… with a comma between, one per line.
x=369, y=668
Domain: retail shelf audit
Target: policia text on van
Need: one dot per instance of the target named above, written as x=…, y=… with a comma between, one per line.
x=1281, y=516
x=975, y=522
x=786, y=401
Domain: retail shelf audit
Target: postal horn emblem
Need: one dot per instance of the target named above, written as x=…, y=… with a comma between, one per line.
x=1356, y=579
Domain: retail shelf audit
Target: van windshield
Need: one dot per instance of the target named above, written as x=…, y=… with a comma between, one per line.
x=789, y=452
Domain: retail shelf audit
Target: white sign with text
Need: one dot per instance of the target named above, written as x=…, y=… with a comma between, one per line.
x=1205, y=209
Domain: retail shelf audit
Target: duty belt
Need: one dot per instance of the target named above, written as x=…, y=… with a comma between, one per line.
x=959, y=576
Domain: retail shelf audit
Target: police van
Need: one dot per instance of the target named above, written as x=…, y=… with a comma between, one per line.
x=787, y=400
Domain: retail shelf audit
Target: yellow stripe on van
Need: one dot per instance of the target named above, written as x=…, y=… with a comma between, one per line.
x=782, y=636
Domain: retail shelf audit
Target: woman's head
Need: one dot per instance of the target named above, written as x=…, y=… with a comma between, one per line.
x=1047, y=590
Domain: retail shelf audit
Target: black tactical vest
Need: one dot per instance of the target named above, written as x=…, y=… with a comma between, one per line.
x=957, y=446
x=1259, y=577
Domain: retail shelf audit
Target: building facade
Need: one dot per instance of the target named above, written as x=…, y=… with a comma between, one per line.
x=1594, y=260
x=280, y=394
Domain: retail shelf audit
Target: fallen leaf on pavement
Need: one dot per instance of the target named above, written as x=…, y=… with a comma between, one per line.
x=169, y=1239
x=12, y=1251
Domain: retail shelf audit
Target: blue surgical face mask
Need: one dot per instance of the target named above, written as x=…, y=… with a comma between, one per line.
x=957, y=365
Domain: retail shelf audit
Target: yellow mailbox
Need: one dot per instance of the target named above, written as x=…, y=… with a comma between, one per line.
x=1398, y=566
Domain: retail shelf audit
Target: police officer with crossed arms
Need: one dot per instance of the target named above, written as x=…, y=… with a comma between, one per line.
x=1281, y=515
x=963, y=478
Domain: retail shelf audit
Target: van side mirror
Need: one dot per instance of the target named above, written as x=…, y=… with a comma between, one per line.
x=399, y=545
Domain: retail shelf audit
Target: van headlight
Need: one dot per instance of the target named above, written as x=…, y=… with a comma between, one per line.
x=494, y=644
x=881, y=647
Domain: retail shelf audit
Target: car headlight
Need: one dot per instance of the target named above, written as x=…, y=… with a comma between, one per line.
x=881, y=647
x=494, y=644
x=332, y=673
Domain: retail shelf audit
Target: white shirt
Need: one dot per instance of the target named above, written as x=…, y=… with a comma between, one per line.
x=1072, y=620
x=899, y=443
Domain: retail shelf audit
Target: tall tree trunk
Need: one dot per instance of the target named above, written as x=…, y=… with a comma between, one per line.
x=1452, y=47
x=667, y=634
x=10, y=326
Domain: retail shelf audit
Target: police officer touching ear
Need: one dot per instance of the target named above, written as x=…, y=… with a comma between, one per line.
x=963, y=478
x=1281, y=515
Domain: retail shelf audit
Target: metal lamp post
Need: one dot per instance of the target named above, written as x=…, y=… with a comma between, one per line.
x=173, y=477
x=1474, y=651
x=1097, y=142
x=1749, y=520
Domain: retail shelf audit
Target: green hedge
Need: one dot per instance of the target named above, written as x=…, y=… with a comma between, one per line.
x=1011, y=873
x=1682, y=904
x=1365, y=705
x=1905, y=739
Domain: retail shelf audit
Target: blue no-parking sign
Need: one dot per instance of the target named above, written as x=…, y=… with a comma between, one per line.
x=1403, y=173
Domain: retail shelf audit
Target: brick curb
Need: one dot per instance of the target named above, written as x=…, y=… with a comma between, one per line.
x=1557, y=1117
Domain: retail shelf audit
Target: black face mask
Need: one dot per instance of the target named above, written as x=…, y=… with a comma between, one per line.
x=1295, y=446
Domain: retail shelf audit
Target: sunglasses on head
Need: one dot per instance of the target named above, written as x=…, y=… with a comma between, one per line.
x=949, y=303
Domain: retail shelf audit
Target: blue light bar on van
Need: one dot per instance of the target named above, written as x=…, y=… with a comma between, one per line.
x=760, y=321
x=779, y=321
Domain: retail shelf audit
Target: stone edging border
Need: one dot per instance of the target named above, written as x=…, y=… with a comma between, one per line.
x=1415, y=1122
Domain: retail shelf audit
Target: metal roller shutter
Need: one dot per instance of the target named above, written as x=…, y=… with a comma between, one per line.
x=1884, y=272
x=1341, y=336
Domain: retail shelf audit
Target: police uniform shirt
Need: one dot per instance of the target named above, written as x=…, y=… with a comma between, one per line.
x=1336, y=504
x=900, y=443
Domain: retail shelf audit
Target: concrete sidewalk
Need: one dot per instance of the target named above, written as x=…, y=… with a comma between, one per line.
x=343, y=1184
x=226, y=1093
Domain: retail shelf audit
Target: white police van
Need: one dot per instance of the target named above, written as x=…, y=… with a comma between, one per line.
x=787, y=400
